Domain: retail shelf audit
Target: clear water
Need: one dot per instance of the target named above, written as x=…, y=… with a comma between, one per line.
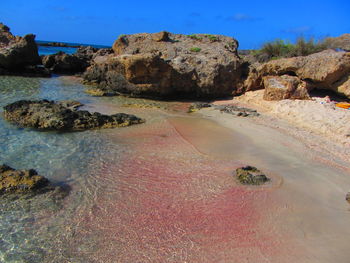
x=29, y=230
x=163, y=191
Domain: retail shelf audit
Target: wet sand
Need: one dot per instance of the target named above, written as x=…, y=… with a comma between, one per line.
x=173, y=197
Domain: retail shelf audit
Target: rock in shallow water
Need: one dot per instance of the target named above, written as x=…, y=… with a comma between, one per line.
x=20, y=181
x=251, y=175
x=49, y=115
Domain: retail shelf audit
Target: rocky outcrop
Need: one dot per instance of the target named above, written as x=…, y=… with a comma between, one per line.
x=18, y=54
x=285, y=87
x=63, y=63
x=341, y=42
x=20, y=181
x=48, y=115
x=251, y=176
x=169, y=65
x=328, y=69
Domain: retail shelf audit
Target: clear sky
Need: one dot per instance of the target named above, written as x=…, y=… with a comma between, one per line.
x=250, y=22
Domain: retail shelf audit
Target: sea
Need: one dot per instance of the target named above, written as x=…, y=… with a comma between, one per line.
x=44, y=50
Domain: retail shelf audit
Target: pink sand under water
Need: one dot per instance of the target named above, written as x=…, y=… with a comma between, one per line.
x=166, y=201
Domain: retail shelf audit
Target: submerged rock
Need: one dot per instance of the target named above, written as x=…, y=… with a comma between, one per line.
x=49, y=115
x=347, y=197
x=251, y=175
x=169, y=65
x=20, y=181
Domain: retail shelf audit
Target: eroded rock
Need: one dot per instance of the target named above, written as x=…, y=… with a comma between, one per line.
x=19, y=54
x=250, y=175
x=169, y=65
x=285, y=87
x=328, y=69
x=49, y=115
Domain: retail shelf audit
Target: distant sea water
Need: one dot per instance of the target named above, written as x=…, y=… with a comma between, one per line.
x=43, y=50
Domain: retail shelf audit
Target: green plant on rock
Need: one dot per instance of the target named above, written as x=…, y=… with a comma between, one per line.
x=195, y=37
x=212, y=38
x=195, y=49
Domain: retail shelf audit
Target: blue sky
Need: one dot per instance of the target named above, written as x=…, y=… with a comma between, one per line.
x=250, y=22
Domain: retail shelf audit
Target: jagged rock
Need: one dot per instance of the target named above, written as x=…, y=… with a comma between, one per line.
x=64, y=63
x=73, y=63
x=48, y=115
x=169, y=65
x=341, y=42
x=18, y=54
x=237, y=111
x=251, y=175
x=20, y=181
x=328, y=69
x=285, y=87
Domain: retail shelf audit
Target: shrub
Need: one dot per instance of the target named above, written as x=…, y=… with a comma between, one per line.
x=285, y=49
x=195, y=49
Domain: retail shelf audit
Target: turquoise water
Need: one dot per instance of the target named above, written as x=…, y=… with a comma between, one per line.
x=36, y=230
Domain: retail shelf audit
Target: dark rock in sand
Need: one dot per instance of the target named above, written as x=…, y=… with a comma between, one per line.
x=197, y=106
x=19, y=54
x=251, y=175
x=164, y=65
x=48, y=115
x=347, y=197
x=237, y=111
x=20, y=181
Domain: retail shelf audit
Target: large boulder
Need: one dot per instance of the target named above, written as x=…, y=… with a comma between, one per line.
x=169, y=65
x=18, y=54
x=328, y=69
x=49, y=115
x=285, y=87
x=20, y=181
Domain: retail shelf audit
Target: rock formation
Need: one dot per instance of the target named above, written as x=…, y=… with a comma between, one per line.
x=19, y=55
x=63, y=63
x=48, y=115
x=251, y=175
x=20, y=181
x=341, y=42
x=328, y=69
x=285, y=87
x=169, y=65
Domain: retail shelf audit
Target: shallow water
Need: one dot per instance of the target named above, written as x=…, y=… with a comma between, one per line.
x=163, y=191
